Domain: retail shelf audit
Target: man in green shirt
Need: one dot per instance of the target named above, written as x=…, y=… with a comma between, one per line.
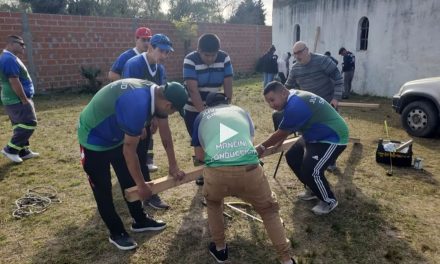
x=16, y=96
x=225, y=133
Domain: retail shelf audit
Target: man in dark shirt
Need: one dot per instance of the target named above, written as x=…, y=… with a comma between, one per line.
x=348, y=66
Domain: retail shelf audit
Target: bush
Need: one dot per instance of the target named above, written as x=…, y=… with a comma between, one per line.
x=91, y=74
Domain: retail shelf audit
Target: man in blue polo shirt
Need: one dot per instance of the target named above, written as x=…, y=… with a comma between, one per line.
x=324, y=135
x=205, y=70
x=109, y=130
x=142, y=36
x=148, y=66
x=16, y=96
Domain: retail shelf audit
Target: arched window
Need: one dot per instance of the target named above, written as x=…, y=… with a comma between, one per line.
x=296, y=33
x=364, y=25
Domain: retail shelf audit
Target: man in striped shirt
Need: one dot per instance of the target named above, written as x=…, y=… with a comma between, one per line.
x=315, y=73
x=205, y=70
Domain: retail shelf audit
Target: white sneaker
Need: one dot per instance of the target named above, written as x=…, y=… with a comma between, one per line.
x=152, y=167
x=14, y=157
x=30, y=155
x=323, y=208
x=306, y=195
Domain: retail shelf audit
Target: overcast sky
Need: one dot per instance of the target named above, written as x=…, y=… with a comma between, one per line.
x=268, y=7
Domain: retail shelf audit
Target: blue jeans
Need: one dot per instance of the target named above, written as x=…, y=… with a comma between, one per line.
x=267, y=78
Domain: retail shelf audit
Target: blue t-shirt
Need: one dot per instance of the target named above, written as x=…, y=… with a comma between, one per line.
x=210, y=78
x=12, y=67
x=316, y=119
x=118, y=65
x=121, y=107
x=137, y=67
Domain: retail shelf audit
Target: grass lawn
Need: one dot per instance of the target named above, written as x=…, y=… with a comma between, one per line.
x=380, y=218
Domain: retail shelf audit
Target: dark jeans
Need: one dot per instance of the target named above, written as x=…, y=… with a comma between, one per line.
x=189, y=118
x=24, y=122
x=97, y=166
x=309, y=161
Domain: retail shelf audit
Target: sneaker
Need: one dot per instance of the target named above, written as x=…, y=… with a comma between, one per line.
x=152, y=167
x=14, y=157
x=123, y=241
x=219, y=256
x=29, y=154
x=200, y=181
x=157, y=203
x=148, y=225
x=306, y=195
x=324, y=208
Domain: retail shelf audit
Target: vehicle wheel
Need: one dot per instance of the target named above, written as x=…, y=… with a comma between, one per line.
x=420, y=118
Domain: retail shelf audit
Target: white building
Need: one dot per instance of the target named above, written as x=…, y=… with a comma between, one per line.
x=394, y=41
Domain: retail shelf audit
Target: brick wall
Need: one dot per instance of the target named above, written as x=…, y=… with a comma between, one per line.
x=58, y=45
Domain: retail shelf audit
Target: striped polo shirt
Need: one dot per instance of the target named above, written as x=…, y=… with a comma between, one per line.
x=210, y=78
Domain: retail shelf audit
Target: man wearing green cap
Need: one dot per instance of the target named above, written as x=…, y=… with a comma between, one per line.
x=109, y=130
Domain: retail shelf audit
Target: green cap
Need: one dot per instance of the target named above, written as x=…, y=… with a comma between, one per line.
x=177, y=95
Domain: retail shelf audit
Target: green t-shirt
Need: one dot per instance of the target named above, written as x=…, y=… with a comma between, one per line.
x=225, y=133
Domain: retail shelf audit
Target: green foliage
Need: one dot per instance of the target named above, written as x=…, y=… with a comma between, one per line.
x=91, y=74
x=83, y=7
x=47, y=6
x=196, y=11
x=116, y=8
x=186, y=30
x=249, y=12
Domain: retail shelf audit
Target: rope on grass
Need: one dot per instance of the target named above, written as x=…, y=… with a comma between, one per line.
x=35, y=201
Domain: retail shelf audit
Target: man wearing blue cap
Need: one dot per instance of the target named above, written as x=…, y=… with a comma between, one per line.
x=109, y=130
x=147, y=66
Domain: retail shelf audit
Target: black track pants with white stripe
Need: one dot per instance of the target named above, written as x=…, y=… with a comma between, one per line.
x=309, y=162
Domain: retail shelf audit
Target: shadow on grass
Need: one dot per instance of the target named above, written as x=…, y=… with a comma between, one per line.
x=411, y=173
x=355, y=232
x=189, y=242
x=88, y=243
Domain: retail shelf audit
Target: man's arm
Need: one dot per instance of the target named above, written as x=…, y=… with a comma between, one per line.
x=18, y=89
x=167, y=142
x=291, y=80
x=132, y=161
x=227, y=87
x=113, y=76
x=194, y=93
x=276, y=138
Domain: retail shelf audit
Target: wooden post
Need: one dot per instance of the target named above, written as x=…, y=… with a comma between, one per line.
x=362, y=105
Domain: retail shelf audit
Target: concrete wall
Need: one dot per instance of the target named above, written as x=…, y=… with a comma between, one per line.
x=403, y=41
x=58, y=45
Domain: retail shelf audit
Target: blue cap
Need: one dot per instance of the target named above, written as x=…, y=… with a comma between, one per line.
x=161, y=41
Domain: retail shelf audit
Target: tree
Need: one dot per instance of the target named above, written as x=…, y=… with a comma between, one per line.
x=47, y=6
x=249, y=12
x=196, y=10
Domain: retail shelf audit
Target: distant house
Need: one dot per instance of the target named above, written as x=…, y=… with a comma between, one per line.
x=394, y=40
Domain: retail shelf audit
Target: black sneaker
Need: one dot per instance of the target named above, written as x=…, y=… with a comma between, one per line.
x=148, y=225
x=219, y=256
x=123, y=241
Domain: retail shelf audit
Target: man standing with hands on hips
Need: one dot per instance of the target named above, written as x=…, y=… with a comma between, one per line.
x=16, y=95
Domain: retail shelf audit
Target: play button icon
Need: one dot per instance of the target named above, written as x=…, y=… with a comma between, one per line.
x=226, y=132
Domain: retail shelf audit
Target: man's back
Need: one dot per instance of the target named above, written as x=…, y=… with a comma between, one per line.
x=225, y=133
